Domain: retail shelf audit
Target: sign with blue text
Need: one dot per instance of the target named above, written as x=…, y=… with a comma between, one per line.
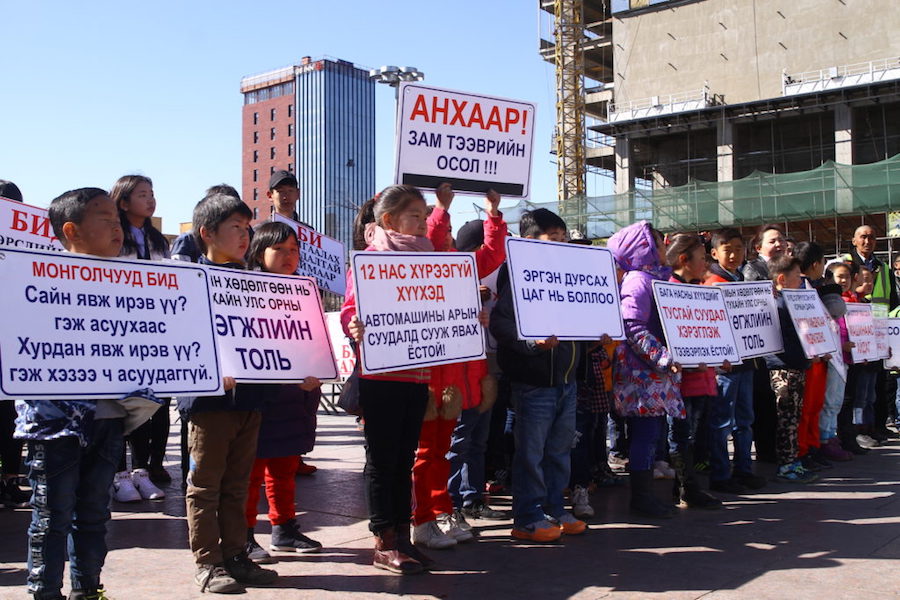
x=419, y=309
x=89, y=328
x=26, y=227
x=754, y=317
x=893, y=339
x=566, y=290
x=696, y=324
x=321, y=257
x=270, y=328
x=474, y=142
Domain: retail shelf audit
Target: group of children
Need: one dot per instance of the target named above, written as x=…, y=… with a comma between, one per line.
x=426, y=430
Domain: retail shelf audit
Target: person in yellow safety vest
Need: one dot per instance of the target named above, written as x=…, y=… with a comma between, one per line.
x=863, y=253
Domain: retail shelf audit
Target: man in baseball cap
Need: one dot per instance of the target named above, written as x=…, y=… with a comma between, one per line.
x=284, y=193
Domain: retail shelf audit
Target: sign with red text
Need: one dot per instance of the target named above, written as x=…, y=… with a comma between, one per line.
x=90, y=328
x=893, y=338
x=811, y=322
x=270, y=328
x=474, y=142
x=566, y=290
x=754, y=317
x=861, y=331
x=696, y=324
x=880, y=317
x=419, y=309
x=26, y=227
x=321, y=257
x=343, y=352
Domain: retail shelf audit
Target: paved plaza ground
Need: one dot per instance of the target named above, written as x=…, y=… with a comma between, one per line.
x=837, y=538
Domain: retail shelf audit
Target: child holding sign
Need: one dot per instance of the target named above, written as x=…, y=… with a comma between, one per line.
x=222, y=431
x=393, y=403
x=787, y=373
x=73, y=445
x=646, y=377
x=286, y=429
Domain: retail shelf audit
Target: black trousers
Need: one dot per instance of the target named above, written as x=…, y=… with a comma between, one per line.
x=148, y=442
x=393, y=413
x=10, y=449
x=765, y=416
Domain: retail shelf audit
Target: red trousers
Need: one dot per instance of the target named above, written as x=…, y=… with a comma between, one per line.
x=808, y=435
x=279, y=476
x=431, y=471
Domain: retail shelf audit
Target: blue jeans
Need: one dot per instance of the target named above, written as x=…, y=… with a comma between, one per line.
x=544, y=434
x=466, y=456
x=864, y=397
x=834, y=399
x=731, y=414
x=70, y=507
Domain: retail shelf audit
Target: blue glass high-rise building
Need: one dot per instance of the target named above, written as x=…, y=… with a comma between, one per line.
x=316, y=119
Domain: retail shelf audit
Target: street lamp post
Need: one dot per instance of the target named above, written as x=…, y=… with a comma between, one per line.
x=394, y=76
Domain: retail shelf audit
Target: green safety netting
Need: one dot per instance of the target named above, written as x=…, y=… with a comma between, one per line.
x=825, y=191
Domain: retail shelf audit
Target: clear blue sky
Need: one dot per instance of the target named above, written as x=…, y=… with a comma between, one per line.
x=96, y=90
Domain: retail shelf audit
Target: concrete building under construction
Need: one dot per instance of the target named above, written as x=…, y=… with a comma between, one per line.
x=731, y=112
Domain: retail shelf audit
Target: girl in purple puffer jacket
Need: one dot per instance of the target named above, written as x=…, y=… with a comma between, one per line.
x=646, y=377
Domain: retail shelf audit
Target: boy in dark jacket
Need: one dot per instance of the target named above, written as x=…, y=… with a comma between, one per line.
x=542, y=374
x=222, y=431
x=786, y=374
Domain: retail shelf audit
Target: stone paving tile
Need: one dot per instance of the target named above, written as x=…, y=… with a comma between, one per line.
x=837, y=538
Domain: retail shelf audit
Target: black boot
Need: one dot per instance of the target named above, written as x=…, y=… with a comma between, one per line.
x=694, y=495
x=642, y=499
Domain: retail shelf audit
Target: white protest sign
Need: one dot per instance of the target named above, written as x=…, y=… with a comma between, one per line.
x=490, y=282
x=837, y=359
x=419, y=309
x=566, y=290
x=754, y=317
x=26, y=227
x=321, y=257
x=811, y=322
x=893, y=336
x=861, y=331
x=880, y=317
x=270, y=328
x=696, y=324
x=340, y=346
x=471, y=141
x=84, y=327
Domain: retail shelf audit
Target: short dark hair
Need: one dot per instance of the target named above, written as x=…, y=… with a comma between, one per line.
x=214, y=210
x=266, y=236
x=222, y=188
x=69, y=207
x=782, y=265
x=725, y=235
x=10, y=191
x=757, y=239
x=808, y=253
x=535, y=222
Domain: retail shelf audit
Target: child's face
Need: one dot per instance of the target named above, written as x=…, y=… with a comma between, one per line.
x=282, y=258
x=409, y=221
x=842, y=277
x=141, y=203
x=229, y=242
x=553, y=235
x=792, y=280
x=729, y=255
x=695, y=265
x=100, y=231
x=284, y=198
x=866, y=282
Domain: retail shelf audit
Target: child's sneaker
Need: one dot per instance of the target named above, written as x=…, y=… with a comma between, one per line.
x=795, y=473
x=480, y=510
x=287, y=538
x=430, y=535
x=215, y=579
x=257, y=553
x=569, y=525
x=662, y=470
x=448, y=523
x=581, y=504
x=123, y=488
x=247, y=572
x=141, y=480
x=539, y=531
x=867, y=442
x=97, y=593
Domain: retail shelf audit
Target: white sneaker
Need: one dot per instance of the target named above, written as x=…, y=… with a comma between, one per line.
x=581, y=504
x=123, y=488
x=867, y=441
x=451, y=527
x=662, y=470
x=430, y=535
x=148, y=491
